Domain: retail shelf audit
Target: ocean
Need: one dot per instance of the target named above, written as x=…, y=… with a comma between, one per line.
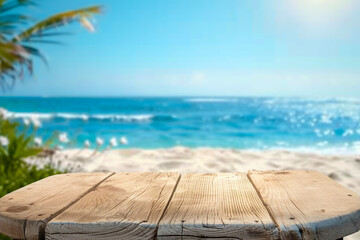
x=261, y=123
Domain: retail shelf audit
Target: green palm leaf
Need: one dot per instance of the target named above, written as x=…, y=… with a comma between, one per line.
x=57, y=21
x=16, y=58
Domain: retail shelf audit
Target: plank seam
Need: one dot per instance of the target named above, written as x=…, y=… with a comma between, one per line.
x=267, y=207
x=24, y=227
x=167, y=205
x=42, y=231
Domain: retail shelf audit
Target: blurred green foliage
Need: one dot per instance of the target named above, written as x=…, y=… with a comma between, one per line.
x=15, y=172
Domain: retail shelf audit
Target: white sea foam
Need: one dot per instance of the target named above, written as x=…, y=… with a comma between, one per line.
x=29, y=115
x=74, y=116
x=130, y=118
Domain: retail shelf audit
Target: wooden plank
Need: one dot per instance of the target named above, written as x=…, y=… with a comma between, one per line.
x=125, y=206
x=25, y=212
x=307, y=204
x=222, y=205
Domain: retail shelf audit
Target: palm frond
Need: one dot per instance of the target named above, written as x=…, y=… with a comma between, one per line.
x=16, y=58
x=34, y=52
x=14, y=62
x=9, y=24
x=51, y=34
x=7, y=5
x=56, y=21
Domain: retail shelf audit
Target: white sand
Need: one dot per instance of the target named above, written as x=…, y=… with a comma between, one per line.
x=343, y=169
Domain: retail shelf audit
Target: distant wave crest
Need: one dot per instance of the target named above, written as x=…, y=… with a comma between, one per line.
x=95, y=117
x=124, y=118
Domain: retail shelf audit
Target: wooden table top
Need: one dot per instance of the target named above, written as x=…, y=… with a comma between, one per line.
x=153, y=205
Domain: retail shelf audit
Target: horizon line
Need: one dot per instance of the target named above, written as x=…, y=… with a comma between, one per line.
x=180, y=96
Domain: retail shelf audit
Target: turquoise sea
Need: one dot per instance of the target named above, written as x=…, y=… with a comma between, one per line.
x=304, y=124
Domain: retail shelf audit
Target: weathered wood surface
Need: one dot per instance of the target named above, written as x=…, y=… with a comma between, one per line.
x=216, y=205
x=308, y=205
x=259, y=205
x=125, y=206
x=24, y=213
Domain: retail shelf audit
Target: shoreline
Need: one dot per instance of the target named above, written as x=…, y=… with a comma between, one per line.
x=344, y=169
x=328, y=151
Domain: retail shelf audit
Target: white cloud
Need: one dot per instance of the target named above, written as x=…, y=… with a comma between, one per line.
x=315, y=17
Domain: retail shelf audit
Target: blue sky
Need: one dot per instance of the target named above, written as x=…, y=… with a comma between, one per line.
x=204, y=48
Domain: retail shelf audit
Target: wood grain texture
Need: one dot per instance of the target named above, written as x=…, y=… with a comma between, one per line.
x=221, y=205
x=125, y=206
x=307, y=204
x=25, y=212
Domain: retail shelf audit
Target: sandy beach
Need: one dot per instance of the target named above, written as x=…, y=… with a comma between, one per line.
x=344, y=169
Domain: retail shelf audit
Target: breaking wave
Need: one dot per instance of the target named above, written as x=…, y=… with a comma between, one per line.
x=87, y=117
